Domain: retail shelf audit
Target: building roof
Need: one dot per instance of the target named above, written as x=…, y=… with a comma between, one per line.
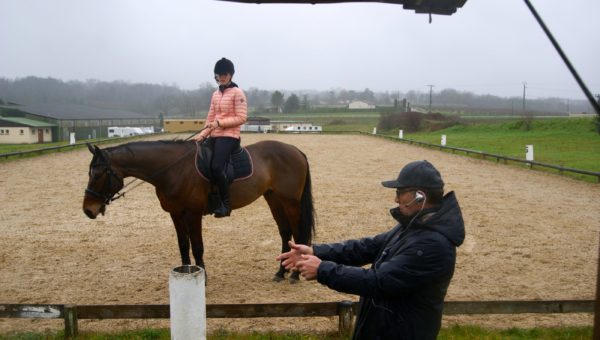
x=447, y=7
x=26, y=122
x=258, y=119
x=72, y=111
x=183, y=119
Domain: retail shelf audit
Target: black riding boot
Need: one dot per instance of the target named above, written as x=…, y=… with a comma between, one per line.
x=224, y=208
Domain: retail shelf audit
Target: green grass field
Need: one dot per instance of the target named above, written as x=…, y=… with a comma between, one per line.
x=561, y=141
x=451, y=333
x=7, y=148
x=333, y=121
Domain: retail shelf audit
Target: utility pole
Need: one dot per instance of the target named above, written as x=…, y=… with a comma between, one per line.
x=527, y=117
x=524, y=87
x=430, y=95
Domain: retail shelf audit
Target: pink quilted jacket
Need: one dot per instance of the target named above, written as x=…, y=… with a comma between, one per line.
x=230, y=109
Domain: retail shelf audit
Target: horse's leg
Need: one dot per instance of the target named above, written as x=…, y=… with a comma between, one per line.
x=292, y=211
x=182, y=238
x=194, y=224
x=278, y=210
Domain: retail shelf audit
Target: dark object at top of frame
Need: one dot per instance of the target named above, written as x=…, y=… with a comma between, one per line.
x=446, y=7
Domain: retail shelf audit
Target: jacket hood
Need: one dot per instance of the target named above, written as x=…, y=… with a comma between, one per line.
x=447, y=219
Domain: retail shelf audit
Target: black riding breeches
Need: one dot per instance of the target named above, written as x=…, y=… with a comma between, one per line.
x=223, y=148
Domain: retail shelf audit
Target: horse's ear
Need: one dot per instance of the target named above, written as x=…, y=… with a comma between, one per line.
x=98, y=151
x=91, y=148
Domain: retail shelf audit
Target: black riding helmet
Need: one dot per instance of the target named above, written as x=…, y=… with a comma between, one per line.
x=224, y=66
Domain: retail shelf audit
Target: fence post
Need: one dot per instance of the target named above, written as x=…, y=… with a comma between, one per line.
x=70, y=315
x=187, y=302
x=346, y=317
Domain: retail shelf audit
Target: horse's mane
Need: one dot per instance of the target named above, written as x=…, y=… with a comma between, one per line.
x=164, y=141
x=128, y=146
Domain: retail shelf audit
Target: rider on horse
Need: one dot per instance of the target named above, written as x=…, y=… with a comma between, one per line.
x=228, y=111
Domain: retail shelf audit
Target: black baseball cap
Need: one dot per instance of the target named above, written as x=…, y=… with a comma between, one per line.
x=418, y=174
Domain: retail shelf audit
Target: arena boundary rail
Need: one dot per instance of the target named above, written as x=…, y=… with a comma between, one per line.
x=72, y=146
x=483, y=155
x=345, y=310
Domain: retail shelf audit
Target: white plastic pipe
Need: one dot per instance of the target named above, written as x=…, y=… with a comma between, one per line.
x=187, y=303
x=443, y=142
x=374, y=130
x=529, y=152
x=401, y=134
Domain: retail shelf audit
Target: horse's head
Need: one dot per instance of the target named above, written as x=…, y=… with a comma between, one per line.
x=103, y=185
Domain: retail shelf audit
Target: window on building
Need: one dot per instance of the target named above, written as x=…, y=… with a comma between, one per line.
x=22, y=131
x=33, y=131
x=47, y=130
x=1, y=132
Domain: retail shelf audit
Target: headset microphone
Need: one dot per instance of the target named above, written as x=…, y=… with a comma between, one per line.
x=419, y=197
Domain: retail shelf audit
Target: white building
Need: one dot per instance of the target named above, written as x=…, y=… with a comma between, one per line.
x=257, y=124
x=126, y=131
x=360, y=105
x=17, y=130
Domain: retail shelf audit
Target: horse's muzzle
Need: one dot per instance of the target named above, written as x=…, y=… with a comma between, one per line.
x=89, y=213
x=92, y=209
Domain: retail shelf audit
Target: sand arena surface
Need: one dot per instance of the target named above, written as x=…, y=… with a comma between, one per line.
x=530, y=235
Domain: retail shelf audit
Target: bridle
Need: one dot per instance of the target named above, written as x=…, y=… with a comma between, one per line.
x=106, y=197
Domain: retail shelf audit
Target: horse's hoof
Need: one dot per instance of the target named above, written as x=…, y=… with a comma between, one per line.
x=294, y=280
x=278, y=278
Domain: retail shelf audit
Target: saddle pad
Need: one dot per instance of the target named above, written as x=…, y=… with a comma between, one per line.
x=238, y=167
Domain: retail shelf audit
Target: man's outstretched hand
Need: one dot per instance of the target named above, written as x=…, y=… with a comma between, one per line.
x=290, y=259
x=300, y=258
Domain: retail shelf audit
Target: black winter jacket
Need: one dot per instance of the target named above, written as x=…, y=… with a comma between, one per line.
x=402, y=294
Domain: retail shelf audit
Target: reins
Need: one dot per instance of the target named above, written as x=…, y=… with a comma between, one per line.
x=108, y=199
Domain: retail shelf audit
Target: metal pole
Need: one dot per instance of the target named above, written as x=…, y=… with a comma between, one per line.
x=597, y=304
x=584, y=88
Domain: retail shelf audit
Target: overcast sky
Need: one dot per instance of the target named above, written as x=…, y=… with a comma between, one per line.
x=486, y=47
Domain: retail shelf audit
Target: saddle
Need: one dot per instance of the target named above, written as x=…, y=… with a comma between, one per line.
x=238, y=167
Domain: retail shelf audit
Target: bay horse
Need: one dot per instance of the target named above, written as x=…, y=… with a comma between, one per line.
x=281, y=175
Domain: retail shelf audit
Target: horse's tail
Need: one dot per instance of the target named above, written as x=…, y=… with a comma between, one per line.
x=306, y=227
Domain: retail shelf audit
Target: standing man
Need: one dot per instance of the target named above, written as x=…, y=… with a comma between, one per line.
x=402, y=294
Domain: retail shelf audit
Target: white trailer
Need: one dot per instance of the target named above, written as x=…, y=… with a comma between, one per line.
x=126, y=131
x=303, y=128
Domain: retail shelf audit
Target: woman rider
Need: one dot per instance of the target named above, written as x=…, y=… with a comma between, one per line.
x=228, y=111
